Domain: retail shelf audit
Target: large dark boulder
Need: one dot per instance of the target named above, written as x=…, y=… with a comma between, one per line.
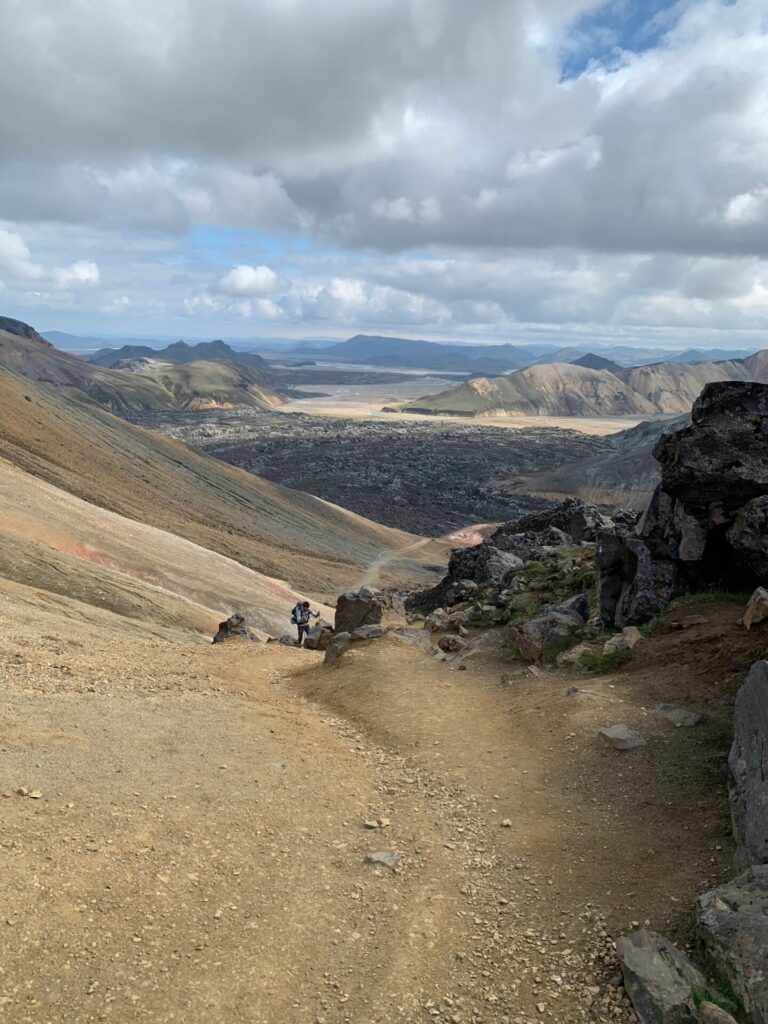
x=748, y=761
x=705, y=524
x=356, y=608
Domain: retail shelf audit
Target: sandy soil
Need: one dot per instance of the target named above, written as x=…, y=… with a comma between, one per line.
x=192, y=844
x=359, y=408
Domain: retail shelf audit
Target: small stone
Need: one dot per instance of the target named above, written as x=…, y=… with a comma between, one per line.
x=384, y=858
x=682, y=718
x=506, y=823
x=36, y=794
x=370, y=824
x=22, y=791
x=621, y=737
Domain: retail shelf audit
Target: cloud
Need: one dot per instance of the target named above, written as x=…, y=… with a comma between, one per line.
x=245, y=280
x=17, y=266
x=412, y=163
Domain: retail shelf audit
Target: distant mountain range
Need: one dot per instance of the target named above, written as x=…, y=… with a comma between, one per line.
x=425, y=355
x=572, y=389
x=490, y=360
x=180, y=352
x=202, y=383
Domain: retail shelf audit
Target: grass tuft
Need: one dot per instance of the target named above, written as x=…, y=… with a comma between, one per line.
x=596, y=661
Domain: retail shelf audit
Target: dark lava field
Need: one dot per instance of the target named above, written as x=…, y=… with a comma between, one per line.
x=428, y=478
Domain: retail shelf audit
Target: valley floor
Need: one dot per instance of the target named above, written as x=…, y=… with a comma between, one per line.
x=191, y=846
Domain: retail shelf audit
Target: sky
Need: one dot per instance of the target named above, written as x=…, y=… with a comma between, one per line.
x=567, y=171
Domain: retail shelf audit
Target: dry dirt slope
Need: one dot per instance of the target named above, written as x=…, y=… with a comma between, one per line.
x=194, y=847
x=56, y=542
x=312, y=545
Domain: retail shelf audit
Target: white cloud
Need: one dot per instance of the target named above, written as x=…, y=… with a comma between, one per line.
x=16, y=265
x=631, y=196
x=247, y=280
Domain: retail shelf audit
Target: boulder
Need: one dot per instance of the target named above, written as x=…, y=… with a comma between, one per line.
x=621, y=737
x=705, y=525
x=235, y=626
x=615, y=644
x=626, y=640
x=490, y=643
x=757, y=608
x=437, y=621
x=451, y=644
x=748, y=762
x=543, y=634
x=552, y=627
x=733, y=930
x=339, y=645
x=318, y=636
x=355, y=608
x=659, y=979
x=681, y=718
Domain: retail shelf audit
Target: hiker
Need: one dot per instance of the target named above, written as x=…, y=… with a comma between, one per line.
x=300, y=617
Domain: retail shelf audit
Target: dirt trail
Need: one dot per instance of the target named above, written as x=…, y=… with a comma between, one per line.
x=197, y=849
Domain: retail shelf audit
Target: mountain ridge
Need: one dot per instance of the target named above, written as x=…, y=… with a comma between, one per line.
x=571, y=389
x=24, y=351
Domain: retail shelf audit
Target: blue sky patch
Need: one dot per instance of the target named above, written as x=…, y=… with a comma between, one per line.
x=616, y=26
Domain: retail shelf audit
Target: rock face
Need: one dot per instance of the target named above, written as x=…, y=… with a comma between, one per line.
x=552, y=627
x=355, y=608
x=748, y=761
x=235, y=626
x=733, y=927
x=659, y=979
x=705, y=524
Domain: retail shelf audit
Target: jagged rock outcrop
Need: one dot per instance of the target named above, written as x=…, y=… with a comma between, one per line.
x=704, y=524
x=733, y=930
x=236, y=626
x=485, y=571
x=748, y=761
x=575, y=519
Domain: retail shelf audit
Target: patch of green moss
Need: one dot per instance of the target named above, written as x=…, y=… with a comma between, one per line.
x=596, y=661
